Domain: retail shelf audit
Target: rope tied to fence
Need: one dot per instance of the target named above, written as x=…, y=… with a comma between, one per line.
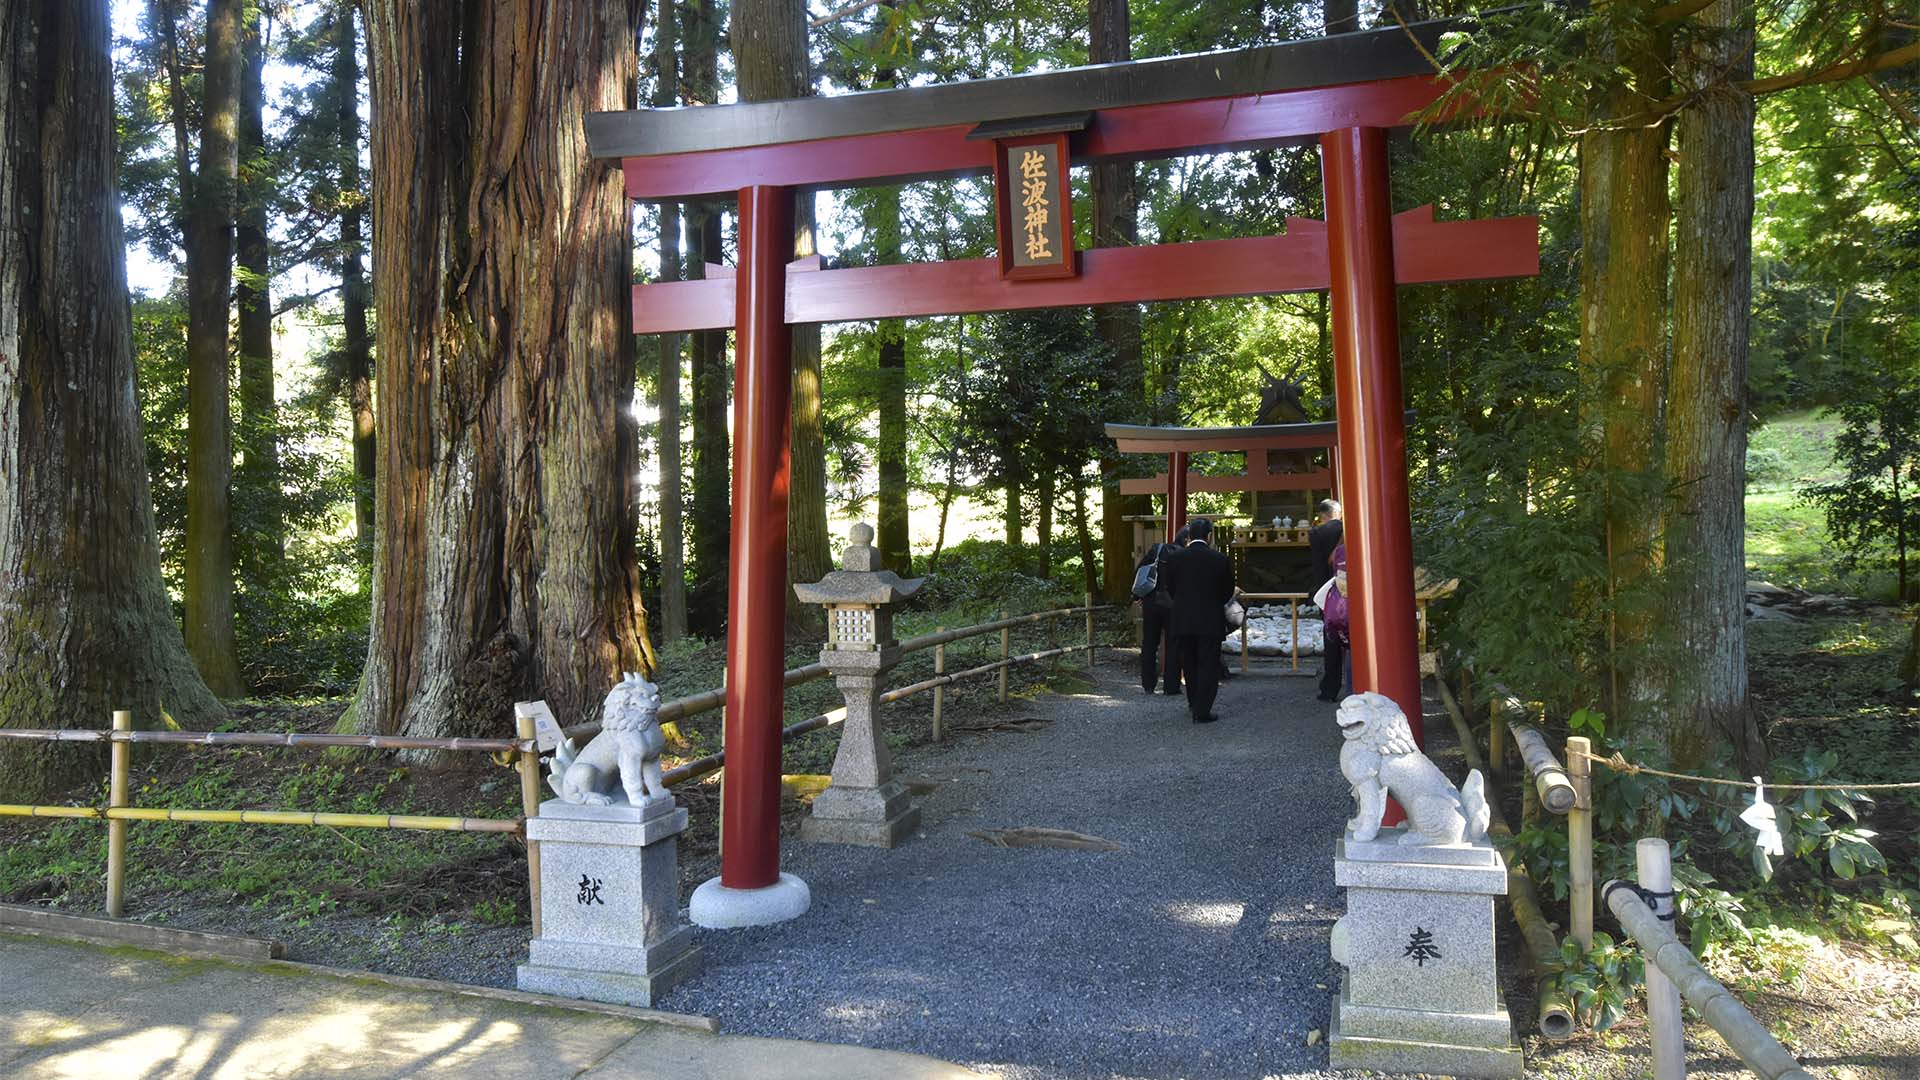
x=1618, y=763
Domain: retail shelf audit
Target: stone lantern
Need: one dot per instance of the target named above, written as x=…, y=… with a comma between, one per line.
x=864, y=804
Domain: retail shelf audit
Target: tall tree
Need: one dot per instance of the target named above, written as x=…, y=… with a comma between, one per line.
x=1706, y=404
x=257, y=479
x=356, y=294
x=209, y=238
x=770, y=55
x=894, y=518
x=505, y=561
x=1116, y=213
x=1623, y=307
x=673, y=540
x=710, y=524
x=88, y=628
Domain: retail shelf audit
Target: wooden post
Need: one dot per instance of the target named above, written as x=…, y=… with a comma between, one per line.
x=1580, y=842
x=1089, y=631
x=1243, y=647
x=119, y=756
x=1654, y=865
x=940, y=692
x=1006, y=651
x=1496, y=741
x=1293, y=625
x=529, y=765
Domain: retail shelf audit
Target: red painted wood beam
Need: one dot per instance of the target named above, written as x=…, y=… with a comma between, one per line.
x=1176, y=492
x=1129, y=132
x=1294, y=261
x=1317, y=480
x=1368, y=392
x=757, y=578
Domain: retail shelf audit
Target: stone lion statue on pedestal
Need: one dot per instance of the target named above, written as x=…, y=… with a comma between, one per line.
x=1380, y=759
x=627, y=750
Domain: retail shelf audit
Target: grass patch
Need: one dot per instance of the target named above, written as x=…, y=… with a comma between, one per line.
x=1787, y=541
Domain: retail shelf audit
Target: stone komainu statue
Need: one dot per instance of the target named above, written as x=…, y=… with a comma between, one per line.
x=1380, y=759
x=626, y=751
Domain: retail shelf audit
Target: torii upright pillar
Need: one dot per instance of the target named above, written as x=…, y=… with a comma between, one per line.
x=751, y=890
x=1373, y=431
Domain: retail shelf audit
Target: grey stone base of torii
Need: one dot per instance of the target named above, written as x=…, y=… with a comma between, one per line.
x=1421, y=992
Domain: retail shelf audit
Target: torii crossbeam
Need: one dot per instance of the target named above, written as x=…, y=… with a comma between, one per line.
x=1344, y=92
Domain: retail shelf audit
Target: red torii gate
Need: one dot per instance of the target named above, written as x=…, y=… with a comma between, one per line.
x=1343, y=92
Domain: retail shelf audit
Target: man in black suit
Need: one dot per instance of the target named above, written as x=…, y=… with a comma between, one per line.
x=1201, y=580
x=1320, y=544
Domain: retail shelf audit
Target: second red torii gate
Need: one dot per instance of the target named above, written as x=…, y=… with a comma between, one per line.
x=1342, y=92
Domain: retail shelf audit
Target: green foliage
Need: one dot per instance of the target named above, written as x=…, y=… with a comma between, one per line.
x=1875, y=506
x=1600, y=981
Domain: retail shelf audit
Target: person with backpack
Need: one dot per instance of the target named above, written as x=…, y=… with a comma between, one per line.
x=1156, y=603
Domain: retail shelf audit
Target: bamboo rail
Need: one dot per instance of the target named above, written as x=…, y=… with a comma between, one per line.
x=700, y=768
x=709, y=700
x=267, y=817
x=1722, y=1011
x=1556, y=789
x=292, y=739
x=1555, y=1011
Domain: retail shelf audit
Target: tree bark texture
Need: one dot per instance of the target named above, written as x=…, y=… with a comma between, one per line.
x=257, y=478
x=673, y=541
x=770, y=56
x=505, y=561
x=355, y=293
x=1706, y=404
x=1341, y=16
x=86, y=627
x=894, y=527
x=711, y=526
x=1623, y=305
x=209, y=249
x=1116, y=206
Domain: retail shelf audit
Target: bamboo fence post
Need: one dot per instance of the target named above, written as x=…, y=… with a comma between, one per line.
x=1722, y=1011
x=1089, y=631
x=1551, y=780
x=1580, y=842
x=1243, y=646
x=940, y=692
x=118, y=756
x=529, y=764
x=1654, y=867
x=1006, y=651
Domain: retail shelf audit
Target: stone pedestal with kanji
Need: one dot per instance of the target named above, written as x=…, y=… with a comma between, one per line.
x=609, y=903
x=1421, y=992
x=864, y=804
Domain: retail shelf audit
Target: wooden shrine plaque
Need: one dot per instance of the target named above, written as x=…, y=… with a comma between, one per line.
x=1033, y=201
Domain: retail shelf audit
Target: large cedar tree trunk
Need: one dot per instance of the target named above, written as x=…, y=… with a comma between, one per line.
x=1116, y=204
x=894, y=517
x=770, y=55
x=1706, y=404
x=209, y=248
x=673, y=541
x=87, y=628
x=1623, y=306
x=356, y=295
x=505, y=557
x=710, y=526
x=257, y=478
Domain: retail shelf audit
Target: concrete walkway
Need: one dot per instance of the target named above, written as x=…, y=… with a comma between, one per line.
x=82, y=1012
x=1198, y=950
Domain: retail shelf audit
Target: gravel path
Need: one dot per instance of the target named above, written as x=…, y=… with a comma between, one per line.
x=1198, y=951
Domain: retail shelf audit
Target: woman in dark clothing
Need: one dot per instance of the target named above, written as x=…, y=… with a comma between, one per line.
x=1153, y=622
